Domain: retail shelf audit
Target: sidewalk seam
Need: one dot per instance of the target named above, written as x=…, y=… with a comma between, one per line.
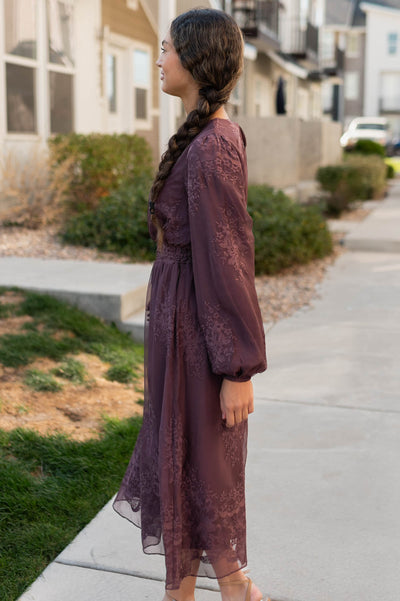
x=133, y=573
x=325, y=406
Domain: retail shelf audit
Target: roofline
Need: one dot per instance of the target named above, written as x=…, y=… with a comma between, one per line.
x=370, y=6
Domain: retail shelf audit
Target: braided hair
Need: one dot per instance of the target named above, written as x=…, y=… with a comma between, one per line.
x=209, y=44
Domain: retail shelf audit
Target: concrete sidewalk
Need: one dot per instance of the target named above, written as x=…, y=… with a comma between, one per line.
x=323, y=468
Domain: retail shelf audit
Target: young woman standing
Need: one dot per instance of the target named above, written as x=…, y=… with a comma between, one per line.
x=185, y=485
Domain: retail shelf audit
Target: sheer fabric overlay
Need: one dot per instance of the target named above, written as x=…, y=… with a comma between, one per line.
x=185, y=483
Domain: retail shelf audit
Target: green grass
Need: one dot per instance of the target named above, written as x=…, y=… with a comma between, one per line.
x=71, y=370
x=41, y=382
x=50, y=488
x=58, y=330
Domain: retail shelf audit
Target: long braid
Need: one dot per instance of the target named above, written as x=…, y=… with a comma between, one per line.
x=216, y=67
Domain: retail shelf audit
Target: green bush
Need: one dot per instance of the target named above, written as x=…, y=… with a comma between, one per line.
x=390, y=171
x=358, y=178
x=369, y=147
x=286, y=233
x=119, y=224
x=97, y=164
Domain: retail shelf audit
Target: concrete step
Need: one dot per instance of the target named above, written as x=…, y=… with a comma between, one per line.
x=112, y=291
x=134, y=325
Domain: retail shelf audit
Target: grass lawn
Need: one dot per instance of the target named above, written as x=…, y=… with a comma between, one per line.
x=52, y=485
x=50, y=488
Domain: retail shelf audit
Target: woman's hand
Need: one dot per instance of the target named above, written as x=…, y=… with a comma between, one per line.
x=237, y=401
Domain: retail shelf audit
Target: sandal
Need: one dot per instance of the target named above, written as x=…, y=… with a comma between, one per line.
x=249, y=585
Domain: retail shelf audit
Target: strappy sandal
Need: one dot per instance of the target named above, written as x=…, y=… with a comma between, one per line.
x=249, y=585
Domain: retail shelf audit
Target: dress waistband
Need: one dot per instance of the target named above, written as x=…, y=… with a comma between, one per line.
x=175, y=254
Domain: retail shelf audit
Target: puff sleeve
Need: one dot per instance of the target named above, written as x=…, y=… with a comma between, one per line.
x=223, y=258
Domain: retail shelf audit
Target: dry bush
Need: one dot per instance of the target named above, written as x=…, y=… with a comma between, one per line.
x=31, y=191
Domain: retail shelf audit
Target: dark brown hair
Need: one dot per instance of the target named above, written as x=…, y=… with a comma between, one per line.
x=209, y=44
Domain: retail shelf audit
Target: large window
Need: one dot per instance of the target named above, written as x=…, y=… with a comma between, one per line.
x=38, y=47
x=141, y=84
x=20, y=64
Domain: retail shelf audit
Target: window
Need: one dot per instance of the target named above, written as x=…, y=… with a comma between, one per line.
x=20, y=65
x=21, y=105
x=141, y=83
x=327, y=47
x=352, y=44
x=20, y=32
x=351, y=85
x=59, y=25
x=38, y=47
x=60, y=65
x=112, y=82
x=61, y=93
x=392, y=42
x=390, y=92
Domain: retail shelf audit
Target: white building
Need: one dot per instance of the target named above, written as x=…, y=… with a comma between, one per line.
x=382, y=62
x=74, y=65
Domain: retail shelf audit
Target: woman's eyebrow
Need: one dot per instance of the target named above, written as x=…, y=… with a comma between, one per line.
x=164, y=42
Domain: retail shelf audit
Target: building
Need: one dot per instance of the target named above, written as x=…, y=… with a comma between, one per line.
x=382, y=61
x=68, y=65
x=367, y=37
x=89, y=66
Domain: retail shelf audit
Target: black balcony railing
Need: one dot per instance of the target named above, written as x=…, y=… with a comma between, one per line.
x=339, y=59
x=251, y=15
x=312, y=40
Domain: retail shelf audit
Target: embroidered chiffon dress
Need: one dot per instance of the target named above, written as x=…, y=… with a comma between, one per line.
x=184, y=485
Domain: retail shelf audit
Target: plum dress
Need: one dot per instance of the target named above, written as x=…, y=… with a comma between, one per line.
x=185, y=483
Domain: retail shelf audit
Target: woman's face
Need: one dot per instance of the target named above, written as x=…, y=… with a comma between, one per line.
x=176, y=80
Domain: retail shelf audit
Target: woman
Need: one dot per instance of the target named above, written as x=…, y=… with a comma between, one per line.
x=184, y=485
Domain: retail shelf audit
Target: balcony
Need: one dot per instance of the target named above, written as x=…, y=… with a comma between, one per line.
x=258, y=19
x=312, y=42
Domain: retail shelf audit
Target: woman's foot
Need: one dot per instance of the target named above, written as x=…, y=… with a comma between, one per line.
x=239, y=588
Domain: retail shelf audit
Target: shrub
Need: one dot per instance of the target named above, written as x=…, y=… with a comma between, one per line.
x=390, y=171
x=32, y=194
x=286, y=233
x=99, y=164
x=358, y=178
x=119, y=224
x=369, y=147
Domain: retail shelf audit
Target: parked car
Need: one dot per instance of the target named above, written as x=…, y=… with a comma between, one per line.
x=376, y=129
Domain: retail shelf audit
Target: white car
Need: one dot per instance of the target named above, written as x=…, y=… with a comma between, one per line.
x=368, y=128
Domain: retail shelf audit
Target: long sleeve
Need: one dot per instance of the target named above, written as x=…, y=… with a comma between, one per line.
x=223, y=258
